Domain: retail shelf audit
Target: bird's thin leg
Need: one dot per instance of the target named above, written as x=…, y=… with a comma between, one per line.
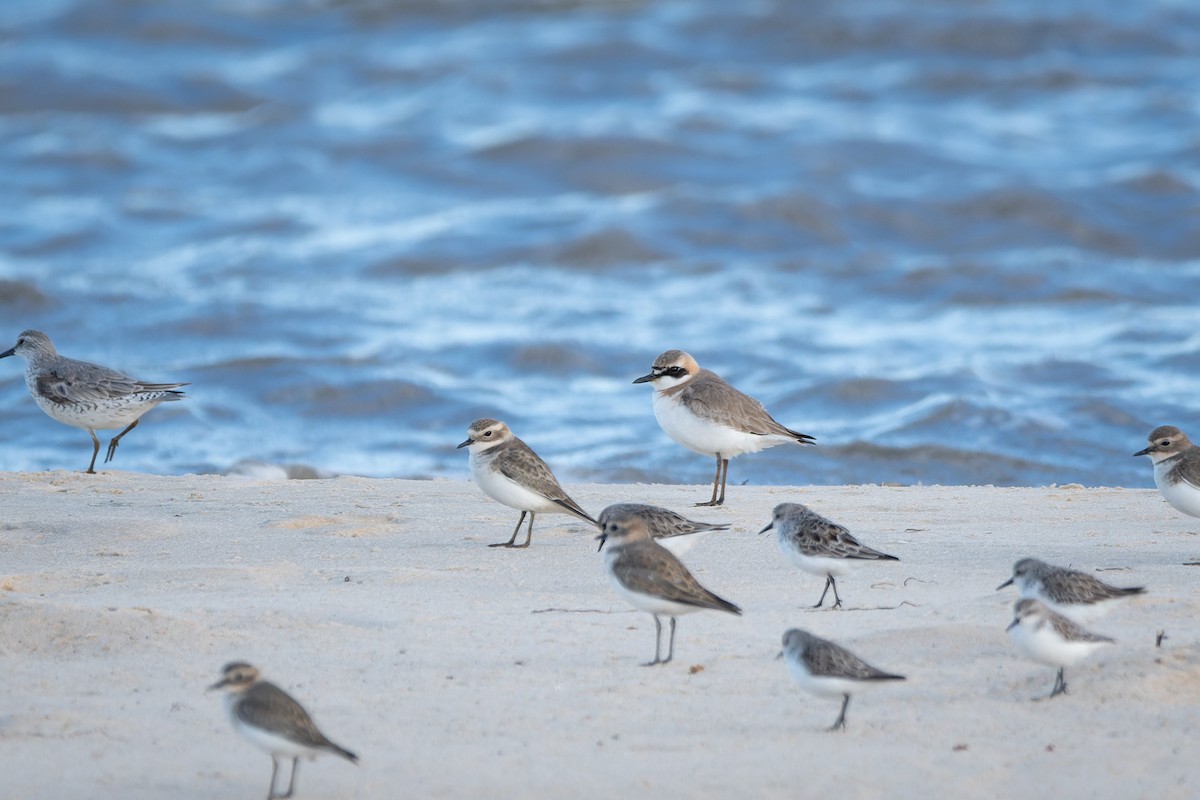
x=1060, y=684
x=91, y=470
x=528, y=531
x=292, y=780
x=718, y=482
x=112, y=446
x=516, y=530
x=840, y=725
x=274, y=772
x=657, y=642
x=837, y=600
x=671, y=646
x=828, y=580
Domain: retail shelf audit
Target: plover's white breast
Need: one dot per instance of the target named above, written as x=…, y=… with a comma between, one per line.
x=503, y=489
x=1180, y=494
x=265, y=740
x=705, y=436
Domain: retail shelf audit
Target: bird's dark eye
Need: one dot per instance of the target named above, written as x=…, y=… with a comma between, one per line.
x=487, y=433
x=1165, y=443
x=21, y=340
x=675, y=372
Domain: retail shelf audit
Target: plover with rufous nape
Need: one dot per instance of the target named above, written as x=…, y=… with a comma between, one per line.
x=271, y=720
x=650, y=578
x=701, y=411
x=1176, y=468
x=509, y=472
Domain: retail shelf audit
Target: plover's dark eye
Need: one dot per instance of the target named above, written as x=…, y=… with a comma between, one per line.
x=1165, y=443
x=487, y=433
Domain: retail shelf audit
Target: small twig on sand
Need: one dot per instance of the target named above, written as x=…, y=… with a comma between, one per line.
x=1158, y=638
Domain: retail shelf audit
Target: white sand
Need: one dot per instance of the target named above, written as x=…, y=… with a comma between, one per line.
x=456, y=670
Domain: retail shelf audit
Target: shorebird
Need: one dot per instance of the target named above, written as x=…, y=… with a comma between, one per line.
x=273, y=721
x=85, y=395
x=671, y=530
x=829, y=670
x=819, y=546
x=1051, y=639
x=649, y=577
x=508, y=471
x=700, y=411
x=1176, y=468
x=1076, y=595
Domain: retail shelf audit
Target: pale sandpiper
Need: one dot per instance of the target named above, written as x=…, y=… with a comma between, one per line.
x=85, y=395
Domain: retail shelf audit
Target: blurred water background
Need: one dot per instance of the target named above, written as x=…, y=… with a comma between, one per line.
x=958, y=241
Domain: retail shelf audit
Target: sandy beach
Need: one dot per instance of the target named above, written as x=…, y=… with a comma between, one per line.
x=458, y=670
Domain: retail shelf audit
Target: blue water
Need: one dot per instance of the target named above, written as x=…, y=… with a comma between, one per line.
x=956, y=242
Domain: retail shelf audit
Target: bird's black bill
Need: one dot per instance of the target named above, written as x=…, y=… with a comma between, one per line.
x=12, y=350
x=1145, y=452
x=1012, y=625
x=764, y=530
x=643, y=379
x=1001, y=586
x=464, y=444
x=217, y=685
x=602, y=538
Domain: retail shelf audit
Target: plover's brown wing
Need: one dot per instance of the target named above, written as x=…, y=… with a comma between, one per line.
x=1069, y=586
x=710, y=396
x=650, y=569
x=517, y=462
x=825, y=659
x=1187, y=467
x=266, y=706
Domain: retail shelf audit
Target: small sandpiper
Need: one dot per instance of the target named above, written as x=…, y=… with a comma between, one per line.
x=1051, y=639
x=273, y=721
x=673, y=531
x=649, y=577
x=829, y=670
x=508, y=471
x=1076, y=595
x=85, y=395
x=1176, y=468
x=701, y=411
x=819, y=546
